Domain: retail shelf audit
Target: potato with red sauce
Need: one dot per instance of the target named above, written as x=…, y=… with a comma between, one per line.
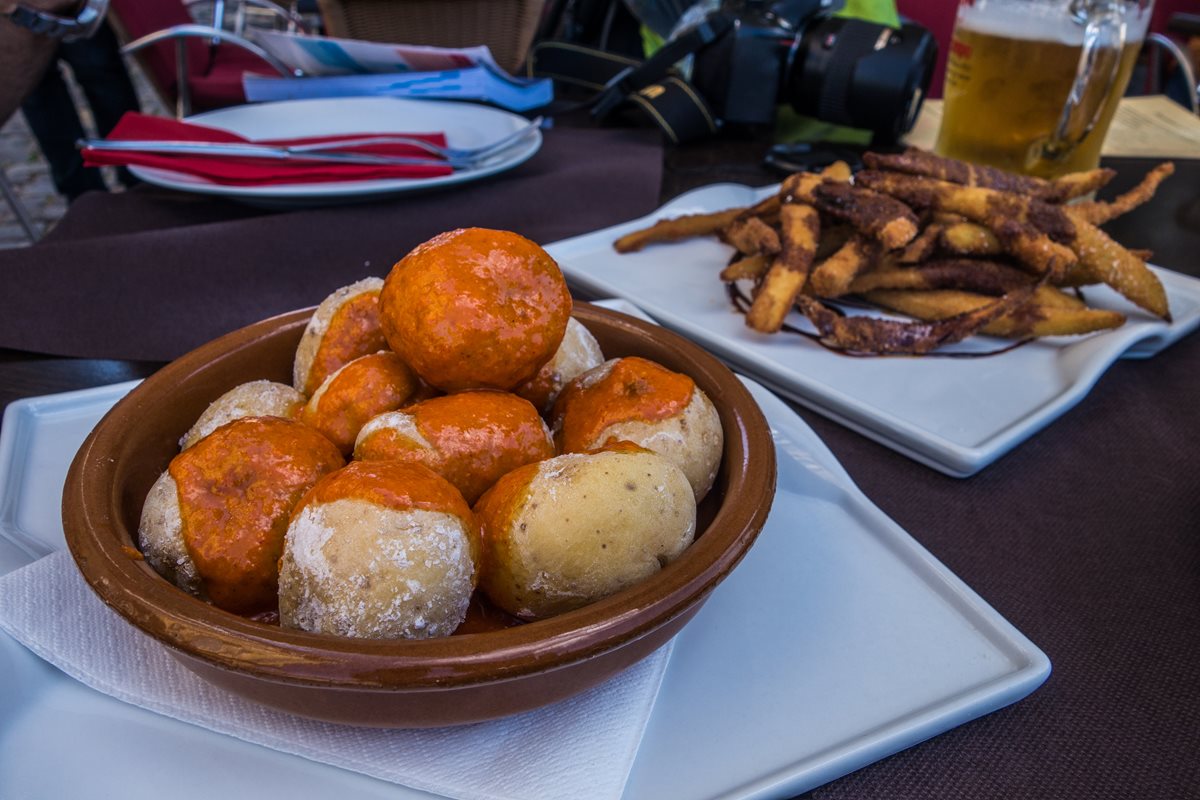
x=366, y=387
x=578, y=353
x=470, y=438
x=213, y=523
x=379, y=550
x=345, y=326
x=253, y=399
x=475, y=309
x=636, y=400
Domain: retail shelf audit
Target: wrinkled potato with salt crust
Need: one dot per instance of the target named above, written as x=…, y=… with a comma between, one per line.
x=253, y=399
x=379, y=550
x=353, y=568
x=344, y=327
x=622, y=394
x=368, y=386
x=160, y=537
x=574, y=529
x=578, y=353
x=470, y=438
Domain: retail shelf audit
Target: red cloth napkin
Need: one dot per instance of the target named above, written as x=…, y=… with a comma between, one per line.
x=239, y=171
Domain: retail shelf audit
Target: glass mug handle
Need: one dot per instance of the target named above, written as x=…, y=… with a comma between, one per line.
x=1104, y=38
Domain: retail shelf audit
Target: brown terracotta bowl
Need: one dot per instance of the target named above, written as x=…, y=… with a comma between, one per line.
x=462, y=678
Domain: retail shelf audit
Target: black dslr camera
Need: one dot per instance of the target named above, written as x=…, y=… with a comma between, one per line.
x=748, y=56
x=843, y=71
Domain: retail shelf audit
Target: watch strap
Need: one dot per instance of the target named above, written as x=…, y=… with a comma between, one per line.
x=54, y=26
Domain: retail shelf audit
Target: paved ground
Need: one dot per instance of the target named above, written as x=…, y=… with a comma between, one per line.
x=29, y=175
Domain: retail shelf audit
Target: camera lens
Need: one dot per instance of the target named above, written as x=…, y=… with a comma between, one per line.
x=860, y=74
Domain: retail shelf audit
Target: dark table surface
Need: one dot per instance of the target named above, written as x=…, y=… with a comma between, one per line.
x=1086, y=537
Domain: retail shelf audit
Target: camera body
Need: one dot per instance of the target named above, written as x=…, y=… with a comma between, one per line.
x=843, y=71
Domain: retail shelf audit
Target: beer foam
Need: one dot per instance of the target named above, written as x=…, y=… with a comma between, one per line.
x=1039, y=21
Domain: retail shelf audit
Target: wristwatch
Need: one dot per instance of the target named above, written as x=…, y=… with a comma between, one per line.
x=81, y=26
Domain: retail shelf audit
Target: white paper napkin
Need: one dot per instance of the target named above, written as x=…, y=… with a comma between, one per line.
x=580, y=747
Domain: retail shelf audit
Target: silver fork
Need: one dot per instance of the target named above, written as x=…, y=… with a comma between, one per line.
x=468, y=154
x=237, y=150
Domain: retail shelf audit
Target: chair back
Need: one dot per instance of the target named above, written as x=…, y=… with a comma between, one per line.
x=505, y=26
x=133, y=19
x=213, y=73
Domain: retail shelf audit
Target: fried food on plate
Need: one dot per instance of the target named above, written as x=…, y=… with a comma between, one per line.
x=930, y=165
x=834, y=276
x=896, y=337
x=671, y=230
x=1103, y=260
x=752, y=236
x=1099, y=213
x=801, y=229
x=936, y=239
x=1033, y=318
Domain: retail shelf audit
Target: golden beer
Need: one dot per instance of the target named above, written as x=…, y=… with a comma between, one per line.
x=1010, y=70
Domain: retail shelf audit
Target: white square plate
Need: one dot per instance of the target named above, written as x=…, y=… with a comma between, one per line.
x=837, y=641
x=956, y=415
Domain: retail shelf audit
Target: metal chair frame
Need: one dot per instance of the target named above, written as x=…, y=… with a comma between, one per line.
x=216, y=35
x=1161, y=44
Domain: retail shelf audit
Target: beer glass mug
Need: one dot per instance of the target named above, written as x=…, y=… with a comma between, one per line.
x=1032, y=85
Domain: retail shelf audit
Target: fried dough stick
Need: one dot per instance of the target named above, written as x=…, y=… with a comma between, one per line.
x=1101, y=260
x=1078, y=184
x=1099, y=213
x=837, y=171
x=750, y=235
x=884, y=218
x=672, y=230
x=921, y=248
x=693, y=225
x=968, y=239
x=887, y=336
x=1096, y=258
x=1032, y=319
x=747, y=268
x=1023, y=226
x=833, y=276
x=982, y=277
x=766, y=209
x=986, y=277
x=921, y=162
x=801, y=229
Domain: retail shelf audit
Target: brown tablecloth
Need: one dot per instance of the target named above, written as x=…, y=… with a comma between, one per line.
x=1086, y=537
x=151, y=274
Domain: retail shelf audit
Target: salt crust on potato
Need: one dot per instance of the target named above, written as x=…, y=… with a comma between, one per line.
x=584, y=526
x=354, y=568
x=306, y=351
x=694, y=440
x=578, y=353
x=160, y=536
x=400, y=422
x=253, y=399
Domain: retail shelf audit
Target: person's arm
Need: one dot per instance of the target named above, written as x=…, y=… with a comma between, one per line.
x=23, y=54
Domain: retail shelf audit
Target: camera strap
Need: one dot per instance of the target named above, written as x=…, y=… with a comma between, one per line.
x=650, y=86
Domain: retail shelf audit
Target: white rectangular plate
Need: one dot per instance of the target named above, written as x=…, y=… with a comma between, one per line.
x=956, y=415
x=838, y=641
